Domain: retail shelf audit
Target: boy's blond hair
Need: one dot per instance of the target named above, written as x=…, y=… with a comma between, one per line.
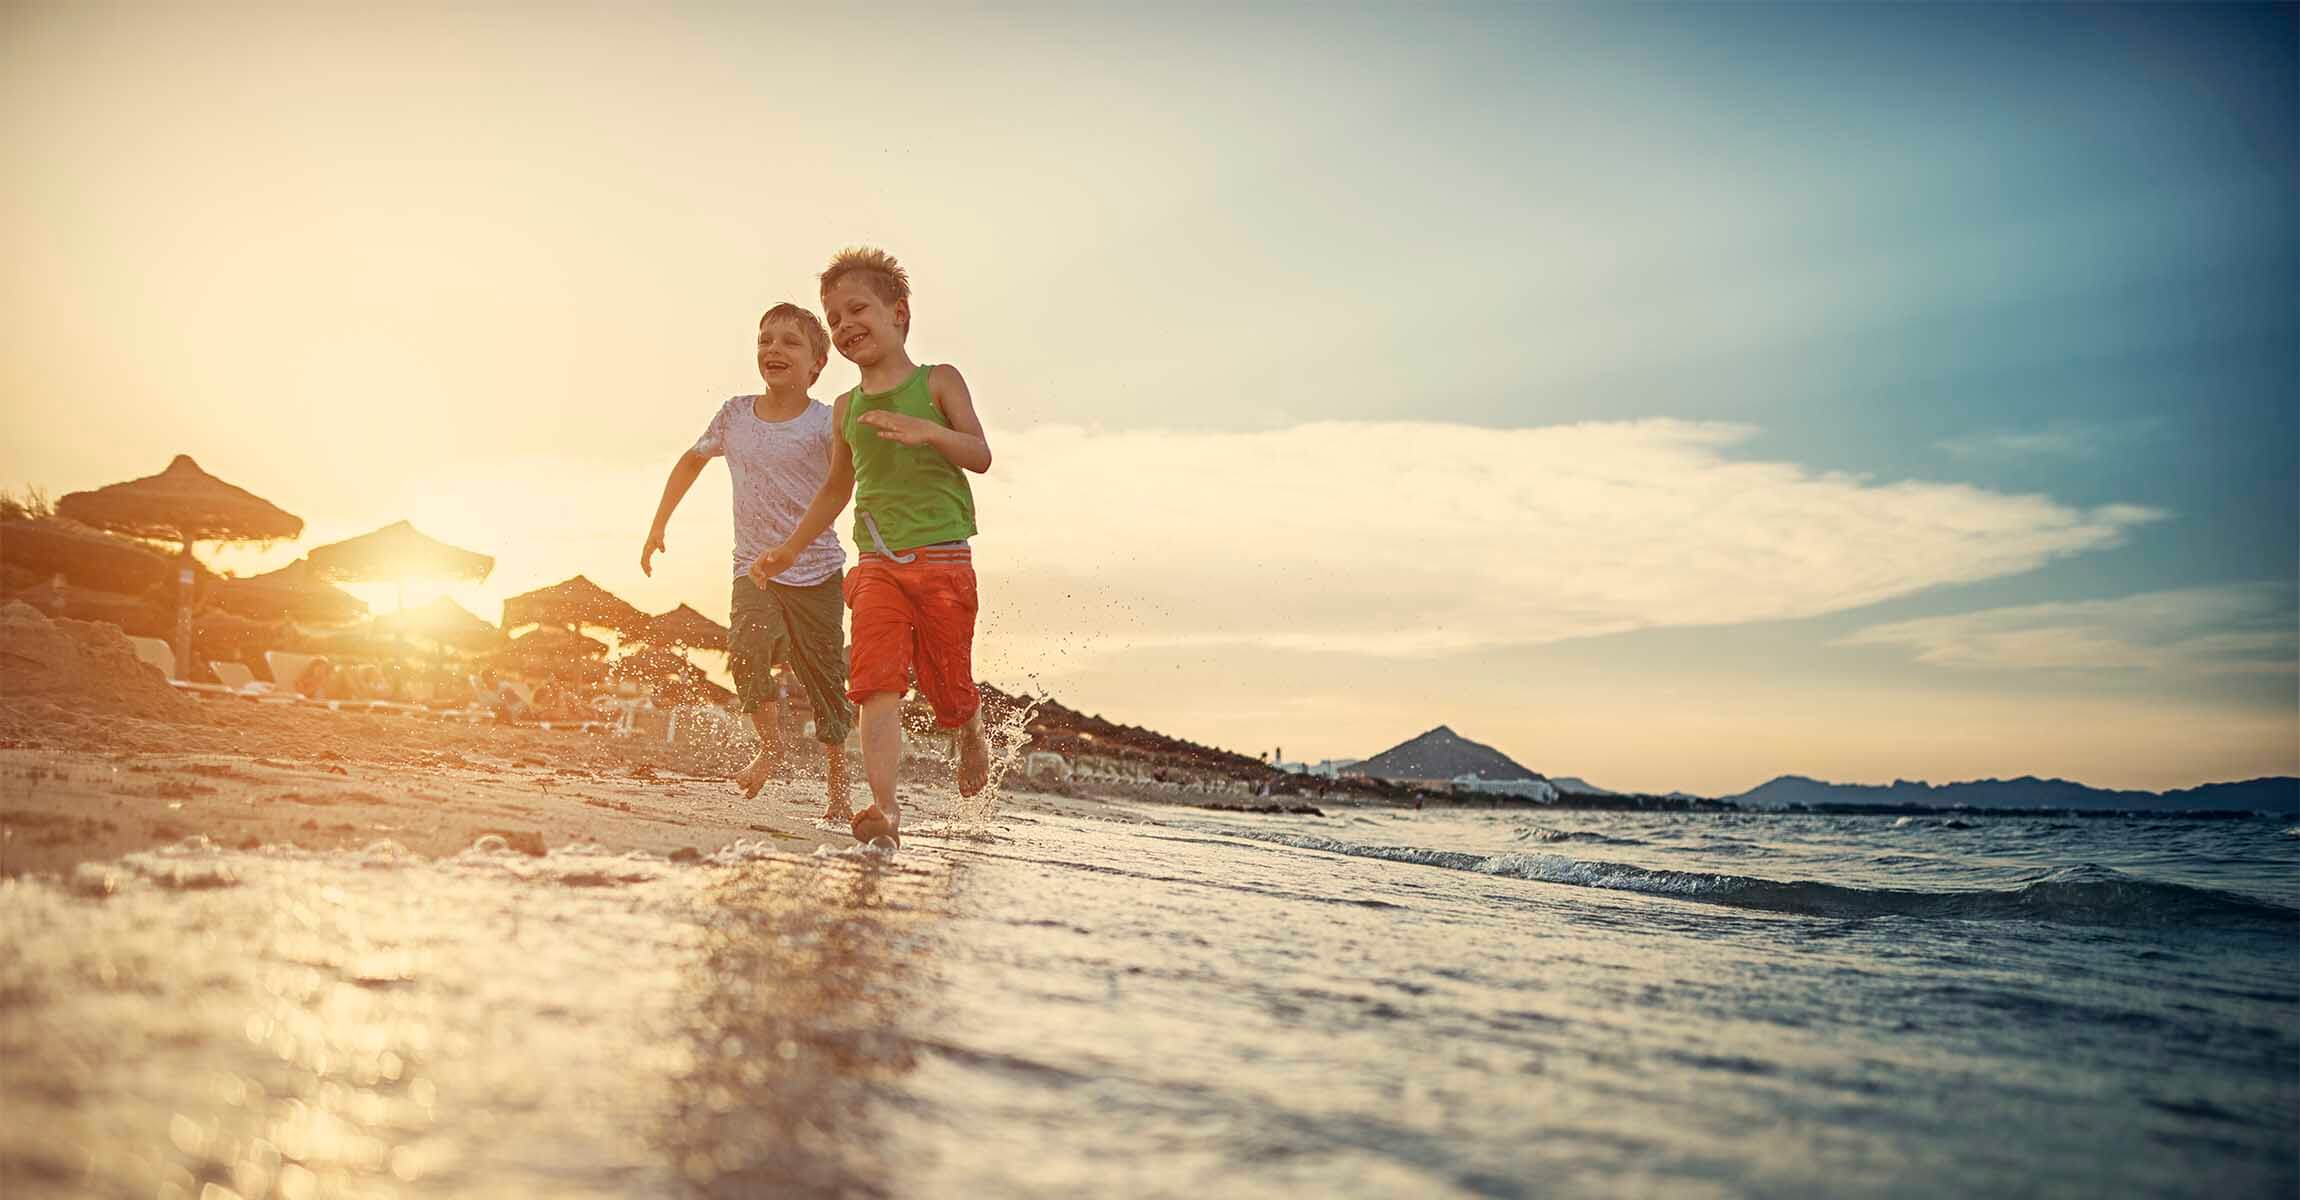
x=818, y=340
x=880, y=272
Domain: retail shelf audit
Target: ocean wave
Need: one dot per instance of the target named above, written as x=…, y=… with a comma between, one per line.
x=2077, y=895
x=1535, y=833
x=1929, y=823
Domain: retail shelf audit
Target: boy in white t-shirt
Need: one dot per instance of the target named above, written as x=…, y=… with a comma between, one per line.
x=778, y=447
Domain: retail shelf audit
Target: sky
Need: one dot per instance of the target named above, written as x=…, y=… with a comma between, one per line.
x=1669, y=396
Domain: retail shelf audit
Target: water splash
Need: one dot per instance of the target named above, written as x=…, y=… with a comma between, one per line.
x=710, y=740
x=1009, y=737
x=1006, y=730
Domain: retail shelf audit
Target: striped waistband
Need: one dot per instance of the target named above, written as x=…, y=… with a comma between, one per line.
x=940, y=552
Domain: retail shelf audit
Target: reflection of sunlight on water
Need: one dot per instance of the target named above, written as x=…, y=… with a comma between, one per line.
x=801, y=997
x=303, y=1025
x=1166, y=1002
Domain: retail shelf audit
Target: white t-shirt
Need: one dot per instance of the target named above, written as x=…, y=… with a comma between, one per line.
x=778, y=467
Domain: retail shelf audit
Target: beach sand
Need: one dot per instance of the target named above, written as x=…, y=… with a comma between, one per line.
x=100, y=758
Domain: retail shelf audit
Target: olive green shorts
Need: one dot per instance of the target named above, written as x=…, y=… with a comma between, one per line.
x=802, y=626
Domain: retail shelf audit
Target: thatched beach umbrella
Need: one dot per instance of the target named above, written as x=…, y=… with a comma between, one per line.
x=398, y=552
x=218, y=634
x=572, y=605
x=138, y=615
x=443, y=622
x=552, y=651
x=549, y=642
x=87, y=557
x=182, y=504
x=684, y=627
x=358, y=641
x=294, y=591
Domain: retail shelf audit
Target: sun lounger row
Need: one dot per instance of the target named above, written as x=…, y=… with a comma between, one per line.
x=235, y=680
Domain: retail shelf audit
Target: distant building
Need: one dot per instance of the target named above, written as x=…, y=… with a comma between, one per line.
x=1532, y=789
x=1324, y=768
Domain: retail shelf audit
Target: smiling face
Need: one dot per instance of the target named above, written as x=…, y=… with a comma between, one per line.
x=863, y=325
x=787, y=354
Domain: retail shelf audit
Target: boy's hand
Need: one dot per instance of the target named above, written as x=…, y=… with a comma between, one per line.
x=774, y=562
x=894, y=426
x=648, y=552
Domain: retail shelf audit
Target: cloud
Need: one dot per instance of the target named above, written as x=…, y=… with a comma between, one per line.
x=1416, y=538
x=1383, y=539
x=2054, y=441
x=2237, y=627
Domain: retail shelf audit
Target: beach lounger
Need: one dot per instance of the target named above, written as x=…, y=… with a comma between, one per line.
x=162, y=655
x=243, y=683
x=622, y=709
x=287, y=669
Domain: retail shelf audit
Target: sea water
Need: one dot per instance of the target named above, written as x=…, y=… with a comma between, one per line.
x=1166, y=1002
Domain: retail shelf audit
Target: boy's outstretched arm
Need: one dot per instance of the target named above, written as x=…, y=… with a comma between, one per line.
x=830, y=500
x=683, y=475
x=962, y=442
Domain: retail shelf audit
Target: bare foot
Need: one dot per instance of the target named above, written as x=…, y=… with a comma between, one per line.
x=755, y=776
x=838, y=811
x=973, y=759
x=835, y=785
x=871, y=824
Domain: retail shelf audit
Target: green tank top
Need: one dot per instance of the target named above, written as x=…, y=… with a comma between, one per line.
x=912, y=493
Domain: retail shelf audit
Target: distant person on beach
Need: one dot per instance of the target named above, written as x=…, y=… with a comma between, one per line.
x=497, y=696
x=906, y=436
x=778, y=445
x=313, y=682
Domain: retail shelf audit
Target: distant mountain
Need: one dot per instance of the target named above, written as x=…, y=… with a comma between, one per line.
x=1576, y=786
x=1443, y=754
x=2278, y=794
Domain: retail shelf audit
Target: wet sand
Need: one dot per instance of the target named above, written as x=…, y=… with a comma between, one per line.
x=99, y=758
x=81, y=787
x=59, y=809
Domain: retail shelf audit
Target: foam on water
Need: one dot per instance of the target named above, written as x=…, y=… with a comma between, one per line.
x=2077, y=894
x=1171, y=1002
x=290, y=1022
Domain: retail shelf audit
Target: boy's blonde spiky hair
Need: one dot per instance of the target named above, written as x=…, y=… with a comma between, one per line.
x=818, y=339
x=878, y=269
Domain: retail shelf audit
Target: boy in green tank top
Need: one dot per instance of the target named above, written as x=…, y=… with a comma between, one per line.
x=904, y=439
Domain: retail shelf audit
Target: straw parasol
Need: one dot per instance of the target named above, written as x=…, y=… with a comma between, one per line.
x=671, y=677
x=683, y=626
x=443, y=622
x=549, y=642
x=183, y=504
x=397, y=553
x=51, y=546
x=295, y=591
x=554, y=651
x=137, y=615
x=573, y=604
x=218, y=634
x=359, y=641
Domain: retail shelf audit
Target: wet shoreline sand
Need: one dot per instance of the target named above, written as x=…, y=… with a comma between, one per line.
x=78, y=788
x=99, y=758
x=62, y=808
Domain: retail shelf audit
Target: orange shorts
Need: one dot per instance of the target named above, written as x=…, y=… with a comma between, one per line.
x=915, y=616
